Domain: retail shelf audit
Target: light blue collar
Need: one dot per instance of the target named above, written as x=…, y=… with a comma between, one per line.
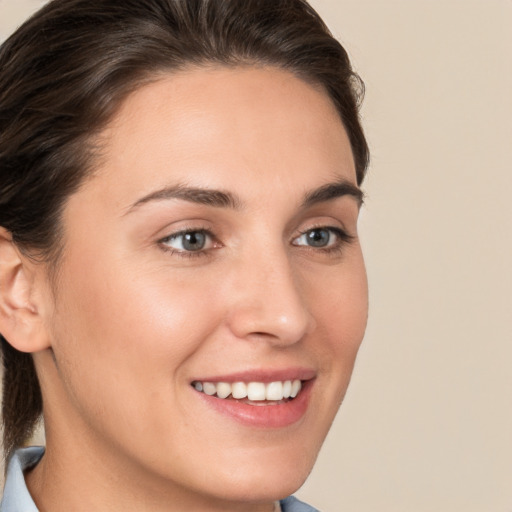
x=16, y=496
x=292, y=504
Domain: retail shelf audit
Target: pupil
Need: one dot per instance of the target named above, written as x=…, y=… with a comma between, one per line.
x=194, y=241
x=318, y=237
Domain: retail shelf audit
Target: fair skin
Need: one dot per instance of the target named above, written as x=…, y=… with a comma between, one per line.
x=265, y=289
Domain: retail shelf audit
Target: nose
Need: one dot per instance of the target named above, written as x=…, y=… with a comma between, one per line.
x=268, y=302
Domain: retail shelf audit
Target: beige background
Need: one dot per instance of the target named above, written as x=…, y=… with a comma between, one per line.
x=427, y=424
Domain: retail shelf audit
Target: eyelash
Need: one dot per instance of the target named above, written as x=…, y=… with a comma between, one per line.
x=187, y=254
x=343, y=239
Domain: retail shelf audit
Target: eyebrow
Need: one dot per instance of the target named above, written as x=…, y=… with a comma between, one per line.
x=225, y=199
x=208, y=197
x=332, y=191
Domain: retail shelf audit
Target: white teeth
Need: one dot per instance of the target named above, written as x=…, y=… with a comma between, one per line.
x=239, y=390
x=209, y=388
x=287, y=388
x=254, y=391
x=296, y=387
x=274, y=391
x=223, y=389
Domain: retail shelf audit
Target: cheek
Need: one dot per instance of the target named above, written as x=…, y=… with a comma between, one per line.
x=341, y=311
x=123, y=331
x=341, y=306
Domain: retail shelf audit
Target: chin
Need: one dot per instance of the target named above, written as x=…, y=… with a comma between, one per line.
x=271, y=479
x=265, y=489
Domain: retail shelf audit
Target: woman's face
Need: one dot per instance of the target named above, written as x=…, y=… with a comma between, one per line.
x=215, y=244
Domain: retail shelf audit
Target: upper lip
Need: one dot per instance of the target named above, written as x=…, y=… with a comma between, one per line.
x=262, y=375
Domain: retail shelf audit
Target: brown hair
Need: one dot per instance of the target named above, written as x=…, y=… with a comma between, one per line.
x=67, y=69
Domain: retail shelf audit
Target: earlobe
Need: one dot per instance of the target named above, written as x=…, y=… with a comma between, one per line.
x=21, y=323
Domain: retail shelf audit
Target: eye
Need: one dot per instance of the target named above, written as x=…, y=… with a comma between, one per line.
x=188, y=241
x=322, y=238
x=318, y=237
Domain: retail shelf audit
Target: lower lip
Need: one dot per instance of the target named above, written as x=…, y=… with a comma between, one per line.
x=263, y=416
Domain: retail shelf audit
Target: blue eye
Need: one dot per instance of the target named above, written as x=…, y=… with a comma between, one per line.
x=188, y=241
x=325, y=239
x=318, y=238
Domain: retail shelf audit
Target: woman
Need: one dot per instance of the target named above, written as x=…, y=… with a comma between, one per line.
x=182, y=289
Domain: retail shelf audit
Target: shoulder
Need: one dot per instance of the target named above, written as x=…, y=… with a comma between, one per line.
x=16, y=497
x=292, y=504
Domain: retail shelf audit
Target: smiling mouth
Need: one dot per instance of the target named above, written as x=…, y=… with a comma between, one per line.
x=254, y=393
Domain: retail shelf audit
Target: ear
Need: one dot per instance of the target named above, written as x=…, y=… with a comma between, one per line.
x=21, y=323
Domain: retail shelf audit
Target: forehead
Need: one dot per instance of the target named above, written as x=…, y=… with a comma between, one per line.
x=226, y=126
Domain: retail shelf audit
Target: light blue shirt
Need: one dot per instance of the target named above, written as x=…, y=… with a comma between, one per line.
x=17, y=498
